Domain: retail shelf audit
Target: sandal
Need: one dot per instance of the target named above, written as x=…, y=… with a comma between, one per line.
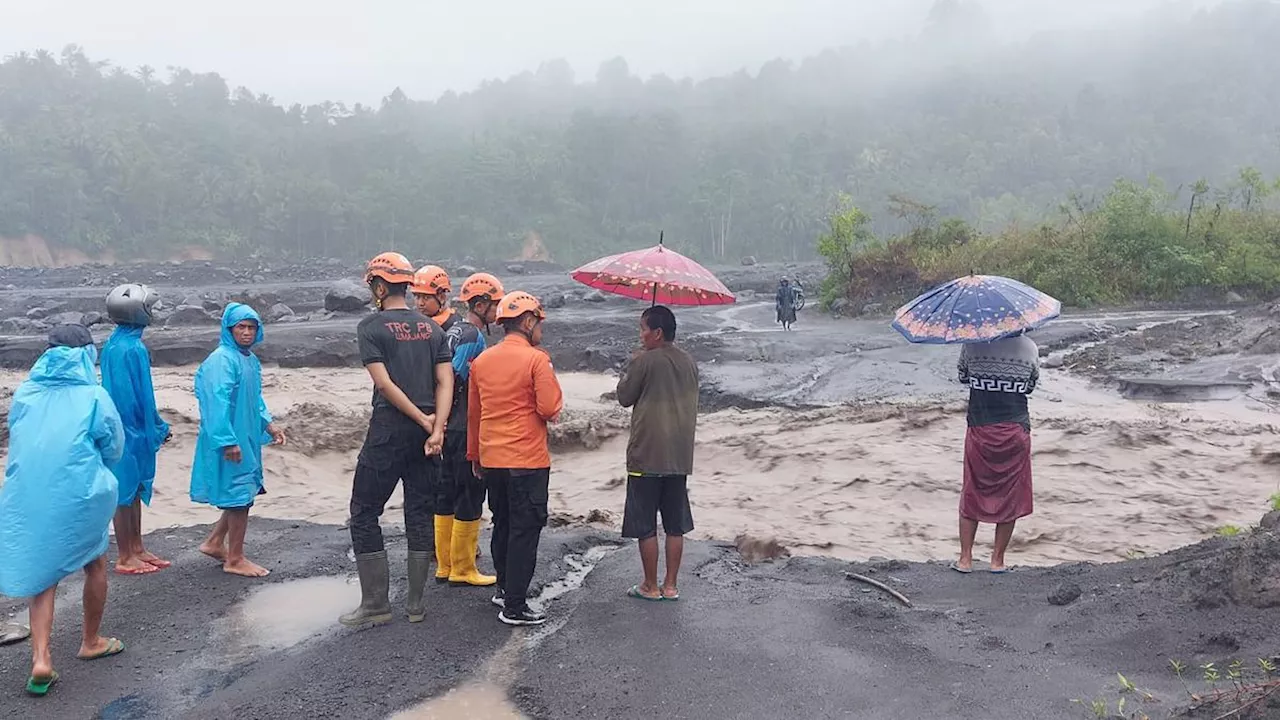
x=40, y=686
x=634, y=592
x=114, y=647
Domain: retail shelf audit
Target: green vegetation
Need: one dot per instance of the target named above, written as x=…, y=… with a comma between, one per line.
x=995, y=133
x=1239, y=692
x=1229, y=531
x=1136, y=242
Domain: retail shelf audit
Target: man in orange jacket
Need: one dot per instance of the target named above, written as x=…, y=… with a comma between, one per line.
x=513, y=394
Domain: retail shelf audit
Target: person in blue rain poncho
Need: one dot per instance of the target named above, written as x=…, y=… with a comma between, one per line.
x=126, y=374
x=58, y=495
x=234, y=425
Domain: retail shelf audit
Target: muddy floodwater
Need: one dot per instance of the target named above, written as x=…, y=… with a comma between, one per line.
x=1152, y=429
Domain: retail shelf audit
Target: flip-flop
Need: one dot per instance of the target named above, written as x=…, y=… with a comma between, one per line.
x=1001, y=571
x=671, y=598
x=955, y=565
x=40, y=686
x=146, y=569
x=159, y=563
x=634, y=592
x=114, y=647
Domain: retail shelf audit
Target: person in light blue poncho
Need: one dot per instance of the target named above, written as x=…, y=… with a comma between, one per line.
x=58, y=495
x=234, y=425
x=126, y=374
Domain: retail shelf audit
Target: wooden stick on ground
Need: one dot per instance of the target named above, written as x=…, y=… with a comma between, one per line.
x=877, y=584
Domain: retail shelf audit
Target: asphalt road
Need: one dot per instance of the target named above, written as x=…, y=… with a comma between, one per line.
x=794, y=638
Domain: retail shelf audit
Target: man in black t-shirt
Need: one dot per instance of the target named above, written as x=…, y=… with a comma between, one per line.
x=408, y=357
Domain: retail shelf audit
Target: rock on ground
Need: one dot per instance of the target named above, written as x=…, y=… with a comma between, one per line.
x=1065, y=594
x=279, y=312
x=347, y=295
x=189, y=315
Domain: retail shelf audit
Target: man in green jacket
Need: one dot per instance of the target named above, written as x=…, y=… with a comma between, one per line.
x=661, y=387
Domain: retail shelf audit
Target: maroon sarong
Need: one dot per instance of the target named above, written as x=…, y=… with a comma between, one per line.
x=997, y=473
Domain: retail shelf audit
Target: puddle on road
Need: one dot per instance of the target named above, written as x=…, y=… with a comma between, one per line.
x=284, y=614
x=478, y=701
x=485, y=698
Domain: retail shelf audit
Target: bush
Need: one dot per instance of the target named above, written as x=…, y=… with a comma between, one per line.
x=1139, y=243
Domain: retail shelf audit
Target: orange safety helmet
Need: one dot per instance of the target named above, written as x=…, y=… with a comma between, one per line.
x=430, y=280
x=483, y=286
x=391, y=267
x=517, y=303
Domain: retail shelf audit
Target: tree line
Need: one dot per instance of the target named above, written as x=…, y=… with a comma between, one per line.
x=140, y=162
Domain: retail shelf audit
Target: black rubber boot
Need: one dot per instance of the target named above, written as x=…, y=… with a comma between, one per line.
x=375, y=582
x=419, y=569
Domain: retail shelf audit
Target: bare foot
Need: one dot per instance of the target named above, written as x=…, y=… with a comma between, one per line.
x=245, y=568
x=134, y=566
x=646, y=592
x=151, y=559
x=217, y=552
x=42, y=670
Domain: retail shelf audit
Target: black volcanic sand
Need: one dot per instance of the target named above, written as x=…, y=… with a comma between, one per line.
x=791, y=638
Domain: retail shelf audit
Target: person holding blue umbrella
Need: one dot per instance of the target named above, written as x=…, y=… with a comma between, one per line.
x=990, y=317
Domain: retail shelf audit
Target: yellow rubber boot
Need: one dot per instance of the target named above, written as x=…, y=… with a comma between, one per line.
x=466, y=536
x=444, y=548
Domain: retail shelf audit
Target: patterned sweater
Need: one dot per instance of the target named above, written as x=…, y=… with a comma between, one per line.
x=1000, y=376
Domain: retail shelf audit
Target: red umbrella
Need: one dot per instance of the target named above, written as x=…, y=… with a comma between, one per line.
x=657, y=274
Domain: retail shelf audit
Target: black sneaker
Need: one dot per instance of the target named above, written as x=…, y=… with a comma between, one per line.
x=521, y=617
x=499, y=598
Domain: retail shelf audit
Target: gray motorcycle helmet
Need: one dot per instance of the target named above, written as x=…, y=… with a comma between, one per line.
x=132, y=304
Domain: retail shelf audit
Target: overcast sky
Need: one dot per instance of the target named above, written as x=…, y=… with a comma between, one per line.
x=312, y=50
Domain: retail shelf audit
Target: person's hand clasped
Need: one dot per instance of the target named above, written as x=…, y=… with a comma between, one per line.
x=435, y=443
x=277, y=435
x=232, y=454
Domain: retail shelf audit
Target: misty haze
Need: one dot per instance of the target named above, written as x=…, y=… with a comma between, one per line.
x=343, y=200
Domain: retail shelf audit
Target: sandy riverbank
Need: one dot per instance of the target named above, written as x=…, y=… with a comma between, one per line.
x=1114, y=478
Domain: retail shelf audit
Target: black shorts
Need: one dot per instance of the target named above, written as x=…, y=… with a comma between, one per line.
x=648, y=495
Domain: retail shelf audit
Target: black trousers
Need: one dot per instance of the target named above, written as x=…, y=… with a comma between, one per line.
x=518, y=501
x=459, y=492
x=394, y=451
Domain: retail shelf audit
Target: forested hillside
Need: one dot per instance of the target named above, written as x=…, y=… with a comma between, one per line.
x=140, y=161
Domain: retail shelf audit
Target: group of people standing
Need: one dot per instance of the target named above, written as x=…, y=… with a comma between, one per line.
x=453, y=420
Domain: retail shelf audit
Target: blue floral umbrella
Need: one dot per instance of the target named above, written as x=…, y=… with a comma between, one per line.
x=974, y=309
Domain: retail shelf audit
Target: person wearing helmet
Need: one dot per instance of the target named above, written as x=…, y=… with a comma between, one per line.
x=460, y=499
x=126, y=374
x=58, y=495
x=226, y=471
x=411, y=406
x=512, y=395
x=431, y=290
